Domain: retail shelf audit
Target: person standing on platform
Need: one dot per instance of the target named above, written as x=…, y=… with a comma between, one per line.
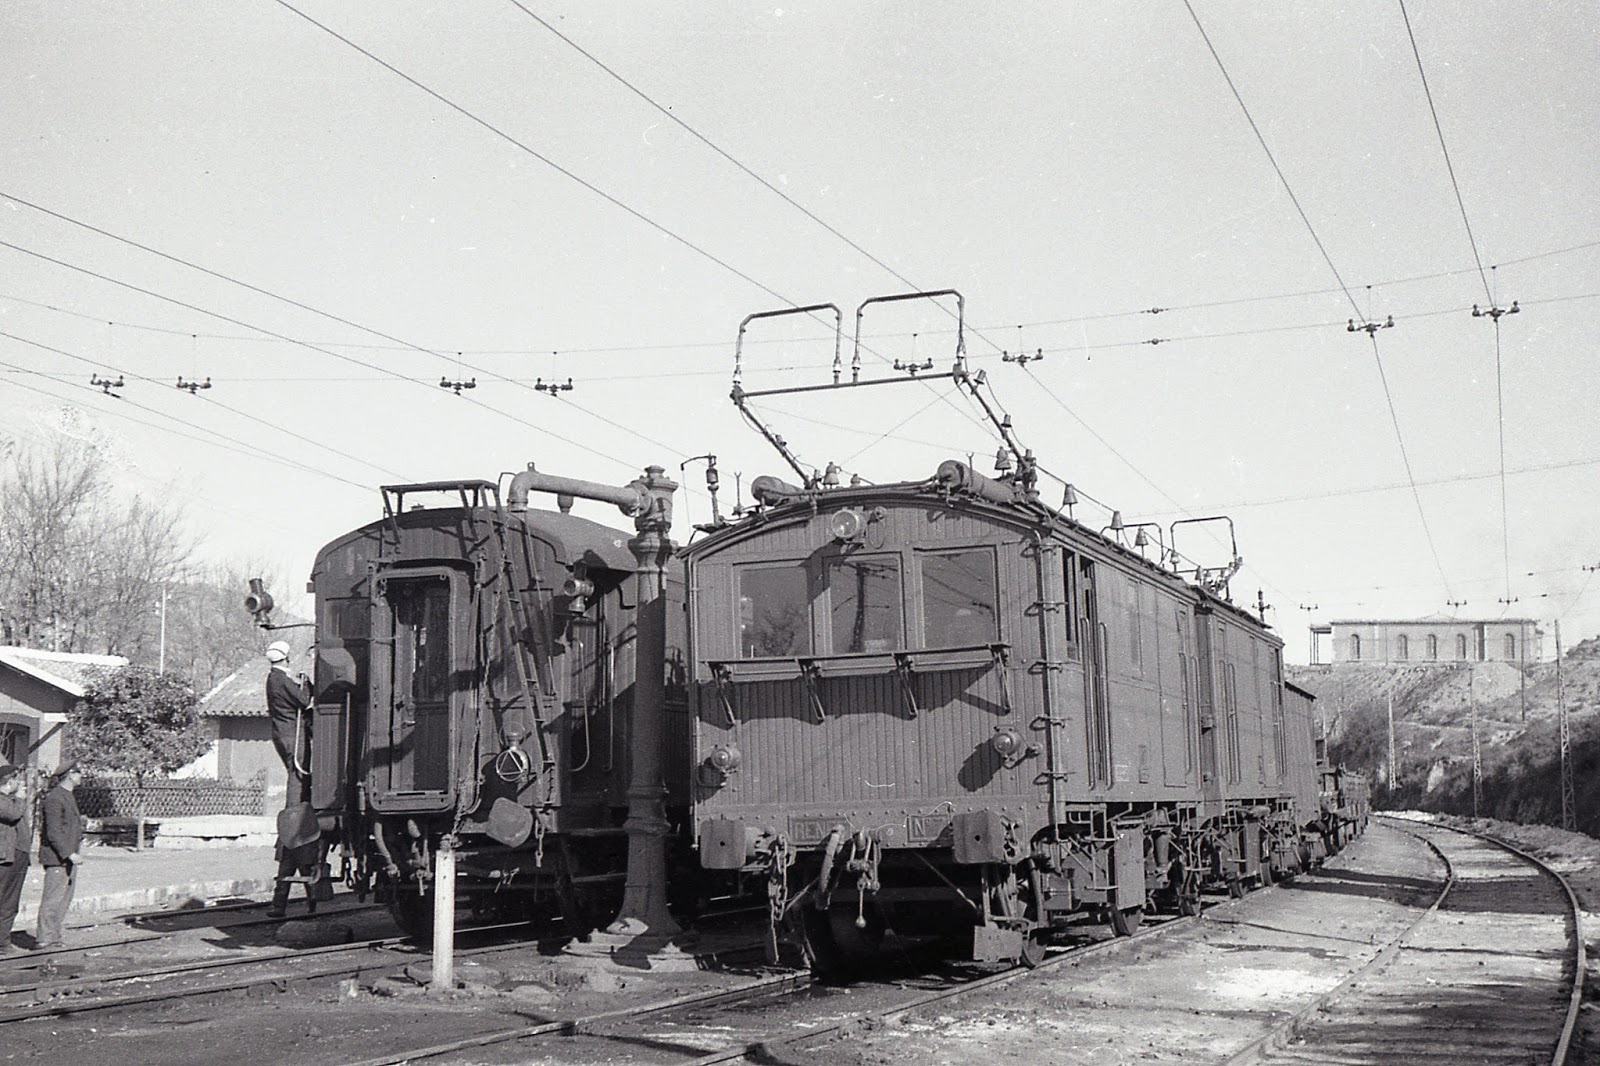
x=16, y=840
x=60, y=838
x=288, y=700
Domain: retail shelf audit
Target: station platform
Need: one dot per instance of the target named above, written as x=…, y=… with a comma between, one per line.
x=189, y=861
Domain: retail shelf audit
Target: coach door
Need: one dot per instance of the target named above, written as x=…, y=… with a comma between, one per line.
x=412, y=687
x=1097, y=698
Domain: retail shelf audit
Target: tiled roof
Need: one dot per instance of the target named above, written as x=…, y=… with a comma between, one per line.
x=66, y=671
x=243, y=693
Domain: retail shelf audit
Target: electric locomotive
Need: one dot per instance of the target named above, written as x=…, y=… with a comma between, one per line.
x=942, y=706
x=476, y=670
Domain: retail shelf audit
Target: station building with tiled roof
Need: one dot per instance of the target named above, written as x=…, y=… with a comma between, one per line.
x=37, y=689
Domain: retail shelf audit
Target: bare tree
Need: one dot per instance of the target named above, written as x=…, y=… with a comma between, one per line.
x=81, y=559
x=87, y=565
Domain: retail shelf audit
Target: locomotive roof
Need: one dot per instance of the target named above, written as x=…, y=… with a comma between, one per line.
x=577, y=538
x=572, y=538
x=1023, y=512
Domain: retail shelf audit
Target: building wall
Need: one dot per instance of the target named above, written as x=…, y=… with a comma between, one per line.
x=1424, y=642
x=244, y=748
x=32, y=716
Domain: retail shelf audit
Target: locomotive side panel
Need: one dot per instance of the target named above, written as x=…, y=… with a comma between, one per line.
x=865, y=682
x=1301, y=779
x=1242, y=705
x=341, y=581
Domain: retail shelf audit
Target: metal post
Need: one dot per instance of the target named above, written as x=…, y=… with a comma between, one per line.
x=444, y=914
x=644, y=903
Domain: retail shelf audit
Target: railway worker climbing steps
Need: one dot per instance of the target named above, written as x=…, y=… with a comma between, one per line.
x=16, y=840
x=299, y=849
x=288, y=700
x=60, y=841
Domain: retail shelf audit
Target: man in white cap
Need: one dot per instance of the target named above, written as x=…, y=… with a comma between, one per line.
x=288, y=703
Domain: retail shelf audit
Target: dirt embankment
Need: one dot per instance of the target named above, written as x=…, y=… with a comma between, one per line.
x=1438, y=708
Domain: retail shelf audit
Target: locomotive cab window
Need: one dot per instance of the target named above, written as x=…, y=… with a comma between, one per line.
x=865, y=604
x=774, y=611
x=959, y=599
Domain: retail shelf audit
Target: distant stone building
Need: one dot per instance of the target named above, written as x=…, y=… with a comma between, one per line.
x=37, y=689
x=1427, y=641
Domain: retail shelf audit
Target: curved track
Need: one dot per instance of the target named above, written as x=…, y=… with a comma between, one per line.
x=1492, y=972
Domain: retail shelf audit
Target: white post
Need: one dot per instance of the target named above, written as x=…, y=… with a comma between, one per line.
x=444, y=914
x=161, y=666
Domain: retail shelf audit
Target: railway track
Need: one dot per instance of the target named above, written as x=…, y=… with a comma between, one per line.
x=57, y=986
x=777, y=1015
x=1492, y=972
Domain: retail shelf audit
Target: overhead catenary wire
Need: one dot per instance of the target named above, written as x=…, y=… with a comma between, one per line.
x=247, y=325
x=276, y=427
x=620, y=349
x=1334, y=270
x=1444, y=149
x=772, y=188
x=1488, y=290
x=212, y=439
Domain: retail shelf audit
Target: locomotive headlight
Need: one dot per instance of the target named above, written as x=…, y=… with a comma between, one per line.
x=1007, y=743
x=848, y=525
x=714, y=770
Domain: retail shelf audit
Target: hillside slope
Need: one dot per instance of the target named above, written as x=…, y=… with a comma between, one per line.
x=1434, y=707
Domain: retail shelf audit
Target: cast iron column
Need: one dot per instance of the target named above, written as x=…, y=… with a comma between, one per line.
x=644, y=905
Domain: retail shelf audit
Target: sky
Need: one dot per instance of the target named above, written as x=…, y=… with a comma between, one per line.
x=326, y=209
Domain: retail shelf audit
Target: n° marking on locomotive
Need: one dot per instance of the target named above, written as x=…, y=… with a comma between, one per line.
x=926, y=828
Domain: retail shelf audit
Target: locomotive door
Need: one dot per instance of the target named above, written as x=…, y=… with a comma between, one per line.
x=412, y=735
x=1210, y=780
x=1096, y=683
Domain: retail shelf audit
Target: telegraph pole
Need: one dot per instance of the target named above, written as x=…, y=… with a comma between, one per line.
x=1392, y=764
x=1477, y=752
x=1568, y=814
x=161, y=666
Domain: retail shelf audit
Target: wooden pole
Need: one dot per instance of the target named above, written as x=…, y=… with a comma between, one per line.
x=1477, y=752
x=1392, y=766
x=1568, y=814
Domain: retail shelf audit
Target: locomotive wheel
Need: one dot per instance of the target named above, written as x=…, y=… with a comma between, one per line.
x=1124, y=920
x=1189, y=896
x=819, y=947
x=412, y=911
x=1033, y=948
x=858, y=944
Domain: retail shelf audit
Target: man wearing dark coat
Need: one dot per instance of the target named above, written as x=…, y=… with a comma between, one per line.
x=16, y=838
x=288, y=697
x=60, y=838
